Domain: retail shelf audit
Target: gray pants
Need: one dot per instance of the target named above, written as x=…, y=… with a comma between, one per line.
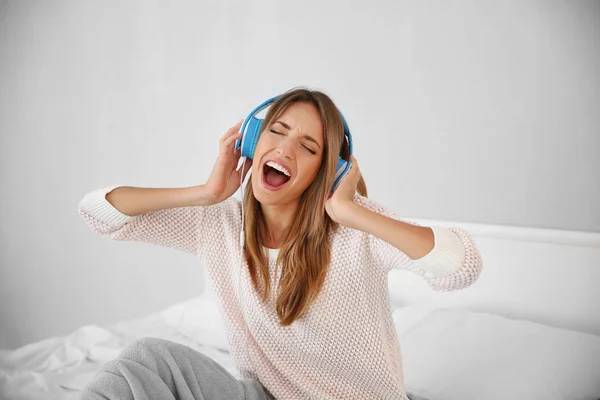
x=153, y=368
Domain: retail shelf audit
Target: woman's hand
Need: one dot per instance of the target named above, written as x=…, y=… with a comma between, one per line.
x=340, y=203
x=224, y=180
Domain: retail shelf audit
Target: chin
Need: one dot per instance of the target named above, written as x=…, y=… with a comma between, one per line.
x=268, y=201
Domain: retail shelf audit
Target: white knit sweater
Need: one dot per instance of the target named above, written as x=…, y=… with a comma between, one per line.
x=345, y=346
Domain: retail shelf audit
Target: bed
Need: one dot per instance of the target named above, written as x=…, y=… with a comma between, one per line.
x=529, y=328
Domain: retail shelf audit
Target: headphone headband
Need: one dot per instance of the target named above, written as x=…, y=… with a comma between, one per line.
x=266, y=103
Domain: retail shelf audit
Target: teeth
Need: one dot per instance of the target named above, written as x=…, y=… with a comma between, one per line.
x=278, y=167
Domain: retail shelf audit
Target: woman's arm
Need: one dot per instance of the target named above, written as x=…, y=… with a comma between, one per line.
x=414, y=241
x=446, y=258
x=167, y=217
x=134, y=201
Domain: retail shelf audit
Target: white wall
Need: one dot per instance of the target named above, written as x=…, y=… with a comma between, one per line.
x=467, y=111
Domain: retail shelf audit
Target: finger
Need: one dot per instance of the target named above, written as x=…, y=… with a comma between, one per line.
x=354, y=163
x=354, y=172
x=237, y=125
x=352, y=167
x=229, y=144
x=233, y=130
x=232, y=139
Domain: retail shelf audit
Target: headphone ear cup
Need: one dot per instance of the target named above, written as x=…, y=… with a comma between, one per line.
x=251, y=137
x=342, y=169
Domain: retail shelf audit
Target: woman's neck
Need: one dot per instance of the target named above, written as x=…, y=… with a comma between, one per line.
x=277, y=219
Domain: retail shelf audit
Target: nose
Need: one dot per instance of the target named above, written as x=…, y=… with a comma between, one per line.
x=285, y=150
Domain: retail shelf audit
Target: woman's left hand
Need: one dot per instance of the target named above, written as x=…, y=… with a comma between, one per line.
x=340, y=202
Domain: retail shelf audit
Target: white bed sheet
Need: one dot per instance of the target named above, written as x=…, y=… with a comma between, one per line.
x=440, y=347
x=59, y=367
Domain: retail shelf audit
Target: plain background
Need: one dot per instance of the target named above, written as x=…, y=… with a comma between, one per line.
x=475, y=111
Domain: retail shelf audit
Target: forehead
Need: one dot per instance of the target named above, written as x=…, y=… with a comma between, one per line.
x=305, y=118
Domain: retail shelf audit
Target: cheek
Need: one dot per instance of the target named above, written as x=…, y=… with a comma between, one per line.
x=310, y=170
x=264, y=143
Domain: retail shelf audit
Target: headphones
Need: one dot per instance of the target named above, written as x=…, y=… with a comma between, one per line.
x=250, y=130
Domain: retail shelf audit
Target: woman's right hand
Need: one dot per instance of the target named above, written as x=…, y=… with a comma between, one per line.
x=224, y=180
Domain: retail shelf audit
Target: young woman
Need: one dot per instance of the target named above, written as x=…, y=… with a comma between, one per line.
x=312, y=319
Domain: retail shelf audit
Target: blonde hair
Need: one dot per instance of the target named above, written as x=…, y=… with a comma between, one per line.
x=305, y=252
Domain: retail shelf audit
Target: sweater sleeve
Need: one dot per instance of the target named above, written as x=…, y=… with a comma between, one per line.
x=178, y=228
x=454, y=262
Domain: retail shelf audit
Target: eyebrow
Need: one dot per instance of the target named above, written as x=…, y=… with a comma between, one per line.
x=307, y=137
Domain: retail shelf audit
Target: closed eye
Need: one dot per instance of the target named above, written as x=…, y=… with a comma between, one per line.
x=279, y=133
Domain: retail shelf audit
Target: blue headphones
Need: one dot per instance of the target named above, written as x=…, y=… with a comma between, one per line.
x=251, y=131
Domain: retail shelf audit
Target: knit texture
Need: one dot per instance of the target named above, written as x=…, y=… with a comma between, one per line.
x=345, y=346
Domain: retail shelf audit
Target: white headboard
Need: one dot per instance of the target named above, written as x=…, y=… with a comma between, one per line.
x=542, y=275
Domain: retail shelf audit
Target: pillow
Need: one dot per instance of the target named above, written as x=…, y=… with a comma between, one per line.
x=451, y=353
x=199, y=319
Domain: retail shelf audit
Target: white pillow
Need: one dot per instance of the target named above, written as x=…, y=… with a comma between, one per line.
x=199, y=319
x=452, y=353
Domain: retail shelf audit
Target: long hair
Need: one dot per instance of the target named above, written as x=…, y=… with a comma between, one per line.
x=305, y=253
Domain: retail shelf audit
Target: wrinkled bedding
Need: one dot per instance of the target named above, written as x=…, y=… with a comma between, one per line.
x=440, y=347
x=59, y=367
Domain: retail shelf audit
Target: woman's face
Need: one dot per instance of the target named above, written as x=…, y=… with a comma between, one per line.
x=295, y=140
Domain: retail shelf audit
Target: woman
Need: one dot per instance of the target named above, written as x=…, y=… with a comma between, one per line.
x=313, y=318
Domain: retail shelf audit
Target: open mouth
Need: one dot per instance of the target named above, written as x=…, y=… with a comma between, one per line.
x=273, y=179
